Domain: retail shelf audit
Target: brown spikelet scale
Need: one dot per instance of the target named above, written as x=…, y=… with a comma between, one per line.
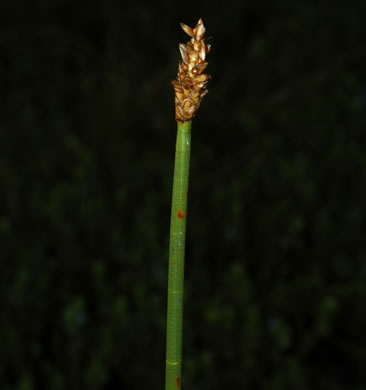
x=190, y=85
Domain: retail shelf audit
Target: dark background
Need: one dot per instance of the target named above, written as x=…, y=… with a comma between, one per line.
x=276, y=254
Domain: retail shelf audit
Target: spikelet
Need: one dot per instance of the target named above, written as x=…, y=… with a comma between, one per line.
x=190, y=85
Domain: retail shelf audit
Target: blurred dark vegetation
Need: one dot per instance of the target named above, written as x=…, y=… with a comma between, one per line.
x=275, y=269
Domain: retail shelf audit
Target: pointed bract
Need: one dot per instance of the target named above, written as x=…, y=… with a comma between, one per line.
x=183, y=52
x=187, y=30
x=199, y=30
x=203, y=52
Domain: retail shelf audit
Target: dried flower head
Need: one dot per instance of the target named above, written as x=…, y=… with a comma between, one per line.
x=190, y=85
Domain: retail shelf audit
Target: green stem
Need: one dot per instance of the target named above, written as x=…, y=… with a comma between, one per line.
x=176, y=258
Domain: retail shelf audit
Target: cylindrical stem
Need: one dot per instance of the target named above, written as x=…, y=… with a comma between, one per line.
x=176, y=258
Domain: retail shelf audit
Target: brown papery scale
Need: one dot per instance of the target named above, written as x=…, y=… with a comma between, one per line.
x=190, y=85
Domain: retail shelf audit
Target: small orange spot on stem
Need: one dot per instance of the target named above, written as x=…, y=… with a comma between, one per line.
x=180, y=214
x=178, y=382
